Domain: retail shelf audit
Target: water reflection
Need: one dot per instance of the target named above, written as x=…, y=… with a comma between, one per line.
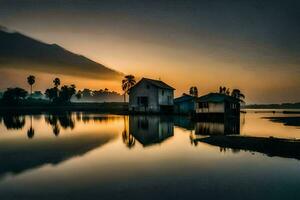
x=92, y=147
x=17, y=155
x=30, y=132
x=230, y=126
x=62, y=120
x=127, y=137
x=150, y=130
x=13, y=121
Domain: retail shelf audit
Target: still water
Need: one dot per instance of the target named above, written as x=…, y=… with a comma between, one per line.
x=96, y=156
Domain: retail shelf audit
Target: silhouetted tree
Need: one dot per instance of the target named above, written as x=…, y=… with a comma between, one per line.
x=86, y=93
x=56, y=82
x=66, y=93
x=78, y=94
x=224, y=90
x=52, y=93
x=13, y=95
x=194, y=91
x=236, y=93
x=127, y=83
x=31, y=81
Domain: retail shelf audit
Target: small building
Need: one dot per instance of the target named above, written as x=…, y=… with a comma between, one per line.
x=150, y=95
x=218, y=106
x=185, y=104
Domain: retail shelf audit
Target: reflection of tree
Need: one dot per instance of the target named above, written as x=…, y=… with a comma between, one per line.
x=56, y=130
x=30, y=131
x=62, y=120
x=66, y=121
x=13, y=121
x=128, y=138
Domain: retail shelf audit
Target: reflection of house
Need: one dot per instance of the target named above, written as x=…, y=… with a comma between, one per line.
x=184, y=122
x=150, y=129
x=151, y=96
x=230, y=126
x=185, y=104
x=216, y=105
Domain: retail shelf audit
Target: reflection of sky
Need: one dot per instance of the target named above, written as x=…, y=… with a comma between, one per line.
x=175, y=168
x=255, y=125
x=252, y=45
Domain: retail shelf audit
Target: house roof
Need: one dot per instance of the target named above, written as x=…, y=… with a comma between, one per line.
x=217, y=97
x=156, y=83
x=183, y=98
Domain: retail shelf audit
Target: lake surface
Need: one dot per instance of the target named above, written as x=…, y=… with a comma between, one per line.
x=96, y=156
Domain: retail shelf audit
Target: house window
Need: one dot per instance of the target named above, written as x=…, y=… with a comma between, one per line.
x=148, y=87
x=162, y=92
x=203, y=105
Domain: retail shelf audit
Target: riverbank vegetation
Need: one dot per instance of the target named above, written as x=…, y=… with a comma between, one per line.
x=62, y=98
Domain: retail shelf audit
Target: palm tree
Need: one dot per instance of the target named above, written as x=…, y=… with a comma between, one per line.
x=127, y=83
x=31, y=81
x=56, y=82
x=236, y=93
x=194, y=91
x=224, y=90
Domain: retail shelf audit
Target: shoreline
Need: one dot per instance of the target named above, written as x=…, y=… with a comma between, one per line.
x=111, y=107
x=271, y=146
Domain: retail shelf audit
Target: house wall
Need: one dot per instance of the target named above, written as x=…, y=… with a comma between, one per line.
x=185, y=107
x=212, y=108
x=165, y=97
x=147, y=90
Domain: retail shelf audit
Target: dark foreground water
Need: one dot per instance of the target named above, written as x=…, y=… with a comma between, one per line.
x=94, y=156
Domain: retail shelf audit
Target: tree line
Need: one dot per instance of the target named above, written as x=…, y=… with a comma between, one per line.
x=58, y=94
x=55, y=94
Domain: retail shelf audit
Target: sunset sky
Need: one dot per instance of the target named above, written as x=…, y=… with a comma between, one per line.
x=251, y=45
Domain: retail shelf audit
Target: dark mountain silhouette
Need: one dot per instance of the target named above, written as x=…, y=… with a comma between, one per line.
x=22, y=52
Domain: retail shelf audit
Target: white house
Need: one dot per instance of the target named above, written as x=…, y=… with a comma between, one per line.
x=150, y=95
